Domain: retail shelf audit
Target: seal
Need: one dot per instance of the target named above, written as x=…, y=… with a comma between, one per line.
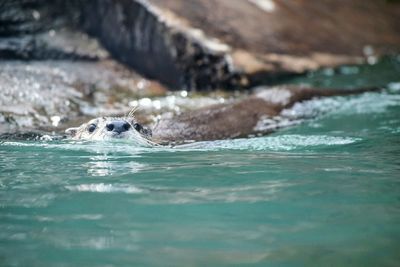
x=222, y=121
x=108, y=128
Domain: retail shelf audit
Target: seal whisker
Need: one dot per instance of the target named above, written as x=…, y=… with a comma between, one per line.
x=131, y=112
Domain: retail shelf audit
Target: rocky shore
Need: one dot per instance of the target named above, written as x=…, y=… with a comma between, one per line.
x=65, y=61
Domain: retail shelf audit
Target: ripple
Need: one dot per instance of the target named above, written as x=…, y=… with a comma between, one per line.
x=250, y=193
x=275, y=143
x=105, y=188
x=272, y=143
x=153, y=195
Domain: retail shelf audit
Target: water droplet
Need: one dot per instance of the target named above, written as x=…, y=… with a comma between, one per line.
x=145, y=102
x=157, y=104
x=372, y=60
x=133, y=103
x=184, y=93
x=36, y=14
x=55, y=120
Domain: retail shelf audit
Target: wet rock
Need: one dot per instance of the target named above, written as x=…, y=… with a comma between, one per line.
x=53, y=75
x=159, y=46
x=52, y=95
x=209, y=44
x=19, y=17
x=37, y=30
x=67, y=77
x=39, y=47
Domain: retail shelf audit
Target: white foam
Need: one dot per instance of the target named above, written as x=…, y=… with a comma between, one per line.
x=366, y=103
x=274, y=143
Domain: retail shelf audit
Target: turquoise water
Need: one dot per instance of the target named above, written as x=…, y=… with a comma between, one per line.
x=323, y=192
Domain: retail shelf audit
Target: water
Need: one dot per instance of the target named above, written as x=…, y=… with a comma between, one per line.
x=325, y=192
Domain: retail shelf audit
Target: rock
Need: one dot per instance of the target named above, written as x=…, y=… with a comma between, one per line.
x=53, y=75
x=65, y=76
x=152, y=42
x=208, y=44
x=257, y=114
x=50, y=96
x=38, y=29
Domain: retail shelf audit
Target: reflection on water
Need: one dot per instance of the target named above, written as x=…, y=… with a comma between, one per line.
x=103, y=165
x=106, y=188
x=264, y=191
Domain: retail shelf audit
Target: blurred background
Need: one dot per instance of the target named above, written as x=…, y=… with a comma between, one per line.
x=63, y=62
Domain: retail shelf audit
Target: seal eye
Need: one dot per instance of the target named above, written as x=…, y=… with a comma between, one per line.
x=91, y=128
x=137, y=127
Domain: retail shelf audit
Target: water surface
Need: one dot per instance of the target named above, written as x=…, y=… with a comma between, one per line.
x=323, y=192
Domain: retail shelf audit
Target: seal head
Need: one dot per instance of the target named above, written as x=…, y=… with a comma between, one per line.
x=109, y=128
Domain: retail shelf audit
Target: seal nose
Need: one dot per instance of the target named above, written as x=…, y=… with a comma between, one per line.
x=118, y=126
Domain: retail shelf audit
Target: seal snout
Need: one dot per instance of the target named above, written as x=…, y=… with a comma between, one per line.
x=118, y=126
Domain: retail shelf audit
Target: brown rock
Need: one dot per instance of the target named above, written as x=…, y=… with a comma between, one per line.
x=207, y=44
x=255, y=114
